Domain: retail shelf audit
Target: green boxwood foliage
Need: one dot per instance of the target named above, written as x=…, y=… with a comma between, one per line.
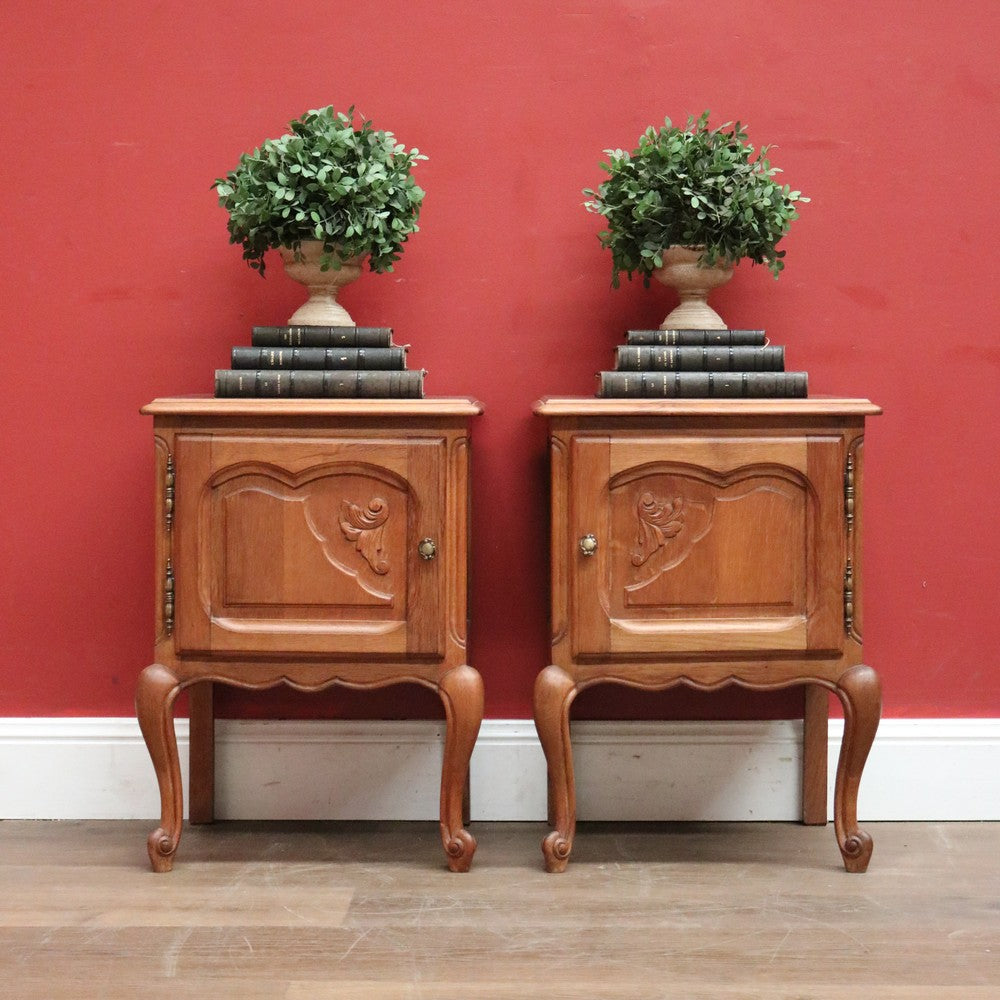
x=349, y=186
x=694, y=187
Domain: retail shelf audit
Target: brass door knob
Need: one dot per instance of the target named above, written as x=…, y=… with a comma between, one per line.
x=588, y=545
x=427, y=548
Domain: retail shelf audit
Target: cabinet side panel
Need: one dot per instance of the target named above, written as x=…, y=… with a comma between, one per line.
x=456, y=532
x=855, y=536
x=559, y=539
x=163, y=562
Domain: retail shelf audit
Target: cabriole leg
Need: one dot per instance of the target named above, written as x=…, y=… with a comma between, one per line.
x=154, y=703
x=554, y=694
x=461, y=691
x=860, y=692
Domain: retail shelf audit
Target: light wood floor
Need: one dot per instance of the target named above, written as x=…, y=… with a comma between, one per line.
x=367, y=911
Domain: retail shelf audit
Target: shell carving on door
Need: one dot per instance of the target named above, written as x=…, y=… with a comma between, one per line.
x=366, y=528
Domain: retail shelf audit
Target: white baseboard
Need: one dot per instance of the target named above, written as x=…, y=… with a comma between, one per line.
x=85, y=768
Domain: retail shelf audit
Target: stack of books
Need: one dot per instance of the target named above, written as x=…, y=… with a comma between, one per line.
x=320, y=362
x=700, y=363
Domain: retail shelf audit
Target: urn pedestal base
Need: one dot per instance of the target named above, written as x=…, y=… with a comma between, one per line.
x=322, y=307
x=692, y=283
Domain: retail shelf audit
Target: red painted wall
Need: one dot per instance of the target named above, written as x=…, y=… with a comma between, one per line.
x=119, y=285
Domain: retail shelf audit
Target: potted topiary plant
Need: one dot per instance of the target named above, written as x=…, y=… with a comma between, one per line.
x=328, y=195
x=686, y=206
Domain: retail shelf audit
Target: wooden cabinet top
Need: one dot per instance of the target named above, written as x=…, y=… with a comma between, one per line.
x=210, y=406
x=596, y=406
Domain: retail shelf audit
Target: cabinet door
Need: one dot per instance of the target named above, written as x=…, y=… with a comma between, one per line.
x=707, y=545
x=308, y=545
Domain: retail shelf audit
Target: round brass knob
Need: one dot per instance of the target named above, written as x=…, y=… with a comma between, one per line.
x=588, y=545
x=427, y=548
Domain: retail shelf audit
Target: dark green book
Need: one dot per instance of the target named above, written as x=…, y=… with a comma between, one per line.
x=697, y=338
x=696, y=359
x=361, y=358
x=321, y=336
x=699, y=385
x=314, y=384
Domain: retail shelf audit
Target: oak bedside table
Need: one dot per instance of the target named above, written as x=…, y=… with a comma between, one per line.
x=310, y=542
x=708, y=542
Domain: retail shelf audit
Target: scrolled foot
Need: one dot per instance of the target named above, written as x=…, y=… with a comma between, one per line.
x=459, y=849
x=857, y=851
x=161, y=847
x=556, y=847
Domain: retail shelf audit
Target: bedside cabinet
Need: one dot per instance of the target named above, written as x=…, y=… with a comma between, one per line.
x=312, y=543
x=708, y=542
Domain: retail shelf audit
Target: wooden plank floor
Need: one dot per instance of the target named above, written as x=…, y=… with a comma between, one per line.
x=367, y=911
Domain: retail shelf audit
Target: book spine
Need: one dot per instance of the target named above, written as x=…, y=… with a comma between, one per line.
x=697, y=338
x=703, y=385
x=321, y=336
x=363, y=358
x=695, y=359
x=317, y=384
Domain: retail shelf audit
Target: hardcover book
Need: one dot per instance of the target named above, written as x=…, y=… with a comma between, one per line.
x=645, y=359
x=697, y=338
x=361, y=358
x=692, y=385
x=321, y=336
x=306, y=383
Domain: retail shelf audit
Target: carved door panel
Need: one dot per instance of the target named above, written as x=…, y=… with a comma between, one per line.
x=308, y=545
x=707, y=545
